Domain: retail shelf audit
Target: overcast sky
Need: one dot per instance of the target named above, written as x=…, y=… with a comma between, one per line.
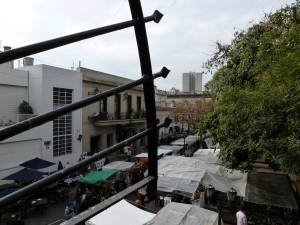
x=182, y=41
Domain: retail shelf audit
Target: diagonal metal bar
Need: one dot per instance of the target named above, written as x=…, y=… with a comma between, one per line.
x=41, y=119
x=146, y=69
x=61, y=41
x=11, y=198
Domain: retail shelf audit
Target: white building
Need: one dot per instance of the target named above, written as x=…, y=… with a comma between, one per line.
x=192, y=82
x=45, y=88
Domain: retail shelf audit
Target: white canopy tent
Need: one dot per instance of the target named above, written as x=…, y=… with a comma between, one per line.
x=189, y=140
x=184, y=214
x=183, y=175
x=118, y=165
x=175, y=149
x=208, y=155
x=160, y=152
x=121, y=213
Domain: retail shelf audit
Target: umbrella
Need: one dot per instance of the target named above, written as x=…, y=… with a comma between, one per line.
x=8, y=191
x=37, y=163
x=25, y=175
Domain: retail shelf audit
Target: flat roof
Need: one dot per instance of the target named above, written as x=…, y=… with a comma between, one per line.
x=270, y=189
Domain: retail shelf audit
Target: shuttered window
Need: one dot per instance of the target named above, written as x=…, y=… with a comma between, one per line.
x=62, y=126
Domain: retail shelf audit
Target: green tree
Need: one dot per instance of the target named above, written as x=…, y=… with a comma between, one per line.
x=190, y=112
x=256, y=93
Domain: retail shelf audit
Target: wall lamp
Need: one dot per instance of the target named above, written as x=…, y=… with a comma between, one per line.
x=79, y=137
x=125, y=96
x=47, y=143
x=96, y=91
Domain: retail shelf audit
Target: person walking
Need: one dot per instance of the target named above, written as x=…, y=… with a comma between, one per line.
x=142, y=192
x=241, y=216
x=187, y=150
x=69, y=212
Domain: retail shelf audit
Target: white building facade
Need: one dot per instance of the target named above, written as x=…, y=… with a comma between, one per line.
x=45, y=88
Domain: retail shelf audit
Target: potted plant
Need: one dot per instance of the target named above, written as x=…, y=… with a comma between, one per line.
x=25, y=108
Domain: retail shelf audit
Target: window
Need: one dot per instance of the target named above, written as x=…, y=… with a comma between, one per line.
x=109, y=140
x=139, y=103
x=62, y=126
x=103, y=105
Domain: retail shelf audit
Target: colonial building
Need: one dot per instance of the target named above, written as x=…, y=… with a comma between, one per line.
x=113, y=119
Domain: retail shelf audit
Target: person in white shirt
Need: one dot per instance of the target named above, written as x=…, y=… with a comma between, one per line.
x=125, y=149
x=241, y=217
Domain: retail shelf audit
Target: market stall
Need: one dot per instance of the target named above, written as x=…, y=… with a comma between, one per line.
x=208, y=155
x=183, y=175
x=189, y=140
x=96, y=178
x=184, y=214
x=175, y=149
x=160, y=152
x=118, y=165
x=127, y=214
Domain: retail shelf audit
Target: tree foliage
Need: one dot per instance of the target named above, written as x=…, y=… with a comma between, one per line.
x=191, y=112
x=256, y=93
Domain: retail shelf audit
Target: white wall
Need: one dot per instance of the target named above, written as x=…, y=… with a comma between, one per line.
x=43, y=85
x=13, y=91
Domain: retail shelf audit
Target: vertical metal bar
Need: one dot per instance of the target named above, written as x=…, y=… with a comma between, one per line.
x=145, y=61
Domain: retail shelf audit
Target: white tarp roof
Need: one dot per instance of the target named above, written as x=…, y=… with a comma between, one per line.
x=208, y=155
x=182, y=175
x=189, y=140
x=121, y=213
x=159, y=153
x=184, y=214
x=118, y=165
x=174, y=148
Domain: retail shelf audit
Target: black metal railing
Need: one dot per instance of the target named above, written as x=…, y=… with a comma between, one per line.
x=138, y=22
x=105, y=116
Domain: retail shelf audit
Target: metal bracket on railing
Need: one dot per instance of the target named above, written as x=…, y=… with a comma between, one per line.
x=65, y=40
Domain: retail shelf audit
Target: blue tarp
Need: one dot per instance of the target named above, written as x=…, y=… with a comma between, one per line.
x=7, y=191
x=37, y=163
x=25, y=175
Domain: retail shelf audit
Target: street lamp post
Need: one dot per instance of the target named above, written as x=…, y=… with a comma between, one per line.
x=231, y=195
x=184, y=134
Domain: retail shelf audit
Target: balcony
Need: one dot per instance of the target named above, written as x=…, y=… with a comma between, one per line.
x=14, y=118
x=105, y=118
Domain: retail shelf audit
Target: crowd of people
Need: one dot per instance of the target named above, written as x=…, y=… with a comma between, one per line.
x=91, y=195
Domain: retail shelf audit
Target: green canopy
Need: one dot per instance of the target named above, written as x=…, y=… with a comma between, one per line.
x=96, y=178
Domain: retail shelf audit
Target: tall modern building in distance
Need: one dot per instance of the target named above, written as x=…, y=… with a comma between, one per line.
x=192, y=82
